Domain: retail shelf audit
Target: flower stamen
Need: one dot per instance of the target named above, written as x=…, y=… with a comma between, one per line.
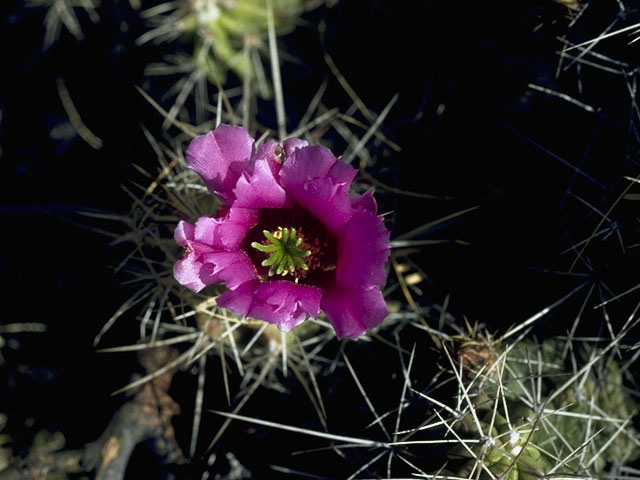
x=283, y=250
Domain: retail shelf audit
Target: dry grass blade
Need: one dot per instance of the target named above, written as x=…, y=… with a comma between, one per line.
x=312, y=376
x=574, y=452
x=246, y=85
x=225, y=376
x=405, y=290
x=366, y=465
x=399, y=191
x=197, y=411
x=28, y=327
x=377, y=133
x=557, y=157
x=365, y=396
x=147, y=378
x=348, y=158
x=232, y=342
x=339, y=438
x=601, y=222
x=311, y=108
x=298, y=473
x=158, y=343
x=563, y=96
x=464, y=389
x=74, y=116
x=326, y=117
x=602, y=37
x=283, y=344
x=613, y=343
x=265, y=370
x=254, y=339
x=186, y=128
x=130, y=302
x=405, y=385
x=305, y=385
x=350, y=91
x=428, y=226
x=460, y=441
x=275, y=73
x=512, y=331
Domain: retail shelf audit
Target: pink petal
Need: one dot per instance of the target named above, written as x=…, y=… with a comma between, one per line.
x=290, y=145
x=364, y=202
x=235, y=226
x=318, y=162
x=342, y=173
x=212, y=250
x=239, y=300
x=363, y=251
x=283, y=303
x=220, y=156
x=225, y=232
x=319, y=182
x=184, y=231
x=285, y=294
x=267, y=152
x=260, y=189
x=353, y=311
x=231, y=268
x=187, y=272
x=205, y=230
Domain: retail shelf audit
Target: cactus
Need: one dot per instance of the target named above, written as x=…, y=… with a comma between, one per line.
x=529, y=413
x=595, y=402
x=224, y=34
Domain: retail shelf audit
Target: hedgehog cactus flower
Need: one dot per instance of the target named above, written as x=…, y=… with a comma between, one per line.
x=291, y=240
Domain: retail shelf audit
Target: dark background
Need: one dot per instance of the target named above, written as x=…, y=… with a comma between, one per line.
x=496, y=145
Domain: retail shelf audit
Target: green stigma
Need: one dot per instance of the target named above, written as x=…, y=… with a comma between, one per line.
x=283, y=249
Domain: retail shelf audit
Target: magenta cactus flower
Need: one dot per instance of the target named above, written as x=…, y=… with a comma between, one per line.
x=290, y=240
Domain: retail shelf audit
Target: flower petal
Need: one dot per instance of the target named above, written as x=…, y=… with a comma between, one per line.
x=319, y=182
x=290, y=145
x=283, y=303
x=231, y=268
x=187, y=272
x=363, y=251
x=354, y=311
x=184, y=231
x=260, y=189
x=267, y=152
x=255, y=185
x=226, y=232
x=364, y=202
x=220, y=156
x=239, y=300
x=212, y=250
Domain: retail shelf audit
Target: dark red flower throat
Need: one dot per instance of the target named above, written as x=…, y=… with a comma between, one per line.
x=319, y=265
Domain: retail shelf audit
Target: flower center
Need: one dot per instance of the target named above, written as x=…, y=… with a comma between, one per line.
x=319, y=266
x=285, y=249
